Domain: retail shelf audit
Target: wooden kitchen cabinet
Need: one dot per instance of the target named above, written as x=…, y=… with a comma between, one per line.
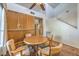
x=28, y=22
x=20, y=20
x=18, y=24
x=16, y=35
x=11, y=20
x=25, y=21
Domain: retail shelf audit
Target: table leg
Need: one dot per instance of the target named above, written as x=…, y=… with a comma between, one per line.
x=36, y=50
x=30, y=49
x=33, y=50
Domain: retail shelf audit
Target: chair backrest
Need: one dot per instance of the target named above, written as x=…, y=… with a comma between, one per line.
x=56, y=49
x=28, y=35
x=10, y=46
x=50, y=43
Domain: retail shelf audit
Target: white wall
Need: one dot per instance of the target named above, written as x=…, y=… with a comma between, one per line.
x=50, y=12
x=64, y=32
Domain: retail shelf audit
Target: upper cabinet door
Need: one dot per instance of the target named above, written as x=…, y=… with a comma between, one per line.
x=12, y=19
x=28, y=22
x=25, y=21
x=20, y=20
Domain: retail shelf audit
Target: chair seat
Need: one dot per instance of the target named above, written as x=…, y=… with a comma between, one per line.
x=26, y=52
x=18, y=54
x=44, y=51
x=54, y=50
x=19, y=44
x=13, y=51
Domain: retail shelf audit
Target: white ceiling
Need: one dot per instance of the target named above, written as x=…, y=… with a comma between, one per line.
x=36, y=7
x=51, y=9
x=27, y=5
x=53, y=5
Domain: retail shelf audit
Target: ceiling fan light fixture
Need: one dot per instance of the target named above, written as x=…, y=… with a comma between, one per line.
x=42, y=5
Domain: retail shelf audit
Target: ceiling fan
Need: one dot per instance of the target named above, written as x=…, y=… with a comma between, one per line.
x=42, y=5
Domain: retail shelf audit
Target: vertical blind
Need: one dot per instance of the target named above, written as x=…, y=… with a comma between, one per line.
x=1, y=26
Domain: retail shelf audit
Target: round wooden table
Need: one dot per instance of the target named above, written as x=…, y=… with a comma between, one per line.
x=35, y=41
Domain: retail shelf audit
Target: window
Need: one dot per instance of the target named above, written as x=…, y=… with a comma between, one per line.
x=1, y=25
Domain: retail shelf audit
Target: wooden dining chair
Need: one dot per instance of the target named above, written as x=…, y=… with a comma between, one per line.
x=50, y=50
x=20, y=42
x=13, y=51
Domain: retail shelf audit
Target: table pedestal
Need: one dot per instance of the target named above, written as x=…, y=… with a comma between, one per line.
x=33, y=50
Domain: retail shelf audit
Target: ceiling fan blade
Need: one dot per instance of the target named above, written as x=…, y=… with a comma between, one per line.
x=42, y=6
x=32, y=5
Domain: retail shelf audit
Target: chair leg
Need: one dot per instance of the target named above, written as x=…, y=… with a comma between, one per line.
x=21, y=53
x=40, y=53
